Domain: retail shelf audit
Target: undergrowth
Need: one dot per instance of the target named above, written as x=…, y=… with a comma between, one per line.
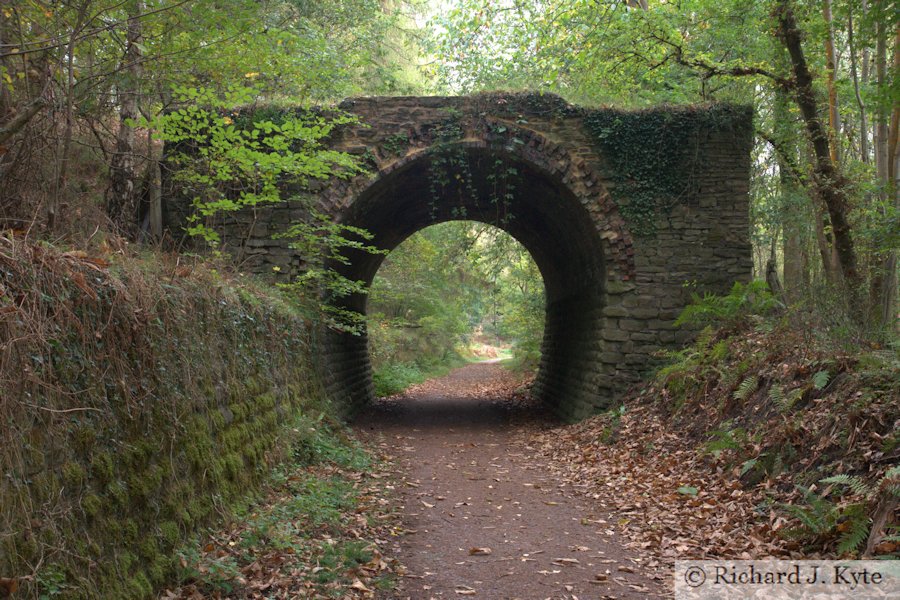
x=394, y=378
x=312, y=532
x=783, y=399
x=143, y=396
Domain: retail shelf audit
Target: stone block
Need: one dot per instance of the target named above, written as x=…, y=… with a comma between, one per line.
x=645, y=313
x=615, y=335
x=632, y=325
x=615, y=311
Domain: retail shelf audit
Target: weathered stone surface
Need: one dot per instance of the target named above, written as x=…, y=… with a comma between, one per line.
x=611, y=297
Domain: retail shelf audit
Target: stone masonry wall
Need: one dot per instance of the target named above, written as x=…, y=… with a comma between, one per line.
x=611, y=296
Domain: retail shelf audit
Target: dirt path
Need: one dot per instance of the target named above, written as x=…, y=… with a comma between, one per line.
x=485, y=519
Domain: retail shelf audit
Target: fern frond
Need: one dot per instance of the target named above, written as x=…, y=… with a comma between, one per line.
x=890, y=481
x=748, y=466
x=818, y=517
x=857, y=528
x=810, y=520
x=856, y=485
x=851, y=540
x=793, y=397
x=821, y=379
x=747, y=387
x=776, y=394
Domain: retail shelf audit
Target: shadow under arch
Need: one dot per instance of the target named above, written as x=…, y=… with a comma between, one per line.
x=502, y=186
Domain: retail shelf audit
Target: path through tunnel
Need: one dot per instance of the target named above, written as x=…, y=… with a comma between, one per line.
x=495, y=186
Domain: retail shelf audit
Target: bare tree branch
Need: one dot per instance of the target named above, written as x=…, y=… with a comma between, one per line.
x=20, y=120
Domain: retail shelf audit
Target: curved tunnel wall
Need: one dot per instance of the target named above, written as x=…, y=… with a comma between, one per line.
x=533, y=206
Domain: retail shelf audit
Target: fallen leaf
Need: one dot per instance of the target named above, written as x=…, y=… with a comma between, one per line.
x=8, y=587
x=480, y=551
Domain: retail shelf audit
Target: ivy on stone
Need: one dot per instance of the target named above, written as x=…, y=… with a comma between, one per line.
x=652, y=156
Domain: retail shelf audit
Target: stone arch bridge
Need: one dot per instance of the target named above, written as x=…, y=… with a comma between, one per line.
x=625, y=213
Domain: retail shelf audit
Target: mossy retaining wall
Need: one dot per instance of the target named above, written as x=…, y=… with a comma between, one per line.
x=136, y=408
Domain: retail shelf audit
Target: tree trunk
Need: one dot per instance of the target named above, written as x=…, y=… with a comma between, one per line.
x=791, y=217
x=881, y=126
x=828, y=183
x=121, y=201
x=6, y=101
x=834, y=118
x=884, y=281
x=888, y=299
x=25, y=114
x=66, y=142
x=854, y=73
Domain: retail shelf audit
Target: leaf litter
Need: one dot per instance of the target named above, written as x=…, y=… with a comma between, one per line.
x=321, y=532
x=674, y=494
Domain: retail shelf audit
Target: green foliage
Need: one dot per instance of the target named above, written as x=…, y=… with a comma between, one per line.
x=582, y=48
x=394, y=378
x=729, y=311
x=224, y=167
x=746, y=388
x=888, y=483
x=725, y=439
x=315, y=440
x=51, y=581
x=213, y=574
x=784, y=400
x=445, y=288
x=856, y=485
x=230, y=159
x=610, y=433
x=818, y=517
x=322, y=242
x=847, y=523
x=821, y=519
x=821, y=379
x=650, y=179
x=688, y=367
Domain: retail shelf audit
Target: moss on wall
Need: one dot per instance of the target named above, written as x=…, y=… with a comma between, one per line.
x=137, y=404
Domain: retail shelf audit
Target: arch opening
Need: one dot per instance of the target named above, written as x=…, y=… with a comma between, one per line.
x=452, y=292
x=537, y=208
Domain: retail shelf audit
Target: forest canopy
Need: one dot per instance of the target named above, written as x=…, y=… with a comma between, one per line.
x=87, y=86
